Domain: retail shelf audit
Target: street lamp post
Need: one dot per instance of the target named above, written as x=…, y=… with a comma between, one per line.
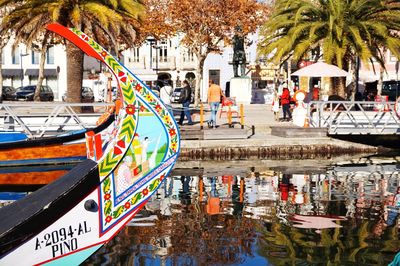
x=152, y=41
x=22, y=69
x=153, y=45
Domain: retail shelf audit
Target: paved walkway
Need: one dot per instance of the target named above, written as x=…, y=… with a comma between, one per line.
x=262, y=118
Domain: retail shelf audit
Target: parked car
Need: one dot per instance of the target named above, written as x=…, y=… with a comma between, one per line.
x=26, y=93
x=8, y=93
x=177, y=93
x=391, y=88
x=86, y=94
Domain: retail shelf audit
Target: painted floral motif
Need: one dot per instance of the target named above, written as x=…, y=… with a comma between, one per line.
x=167, y=119
x=130, y=109
x=172, y=132
x=138, y=88
x=173, y=146
x=149, y=97
x=158, y=108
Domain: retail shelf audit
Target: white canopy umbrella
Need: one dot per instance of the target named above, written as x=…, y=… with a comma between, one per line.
x=320, y=69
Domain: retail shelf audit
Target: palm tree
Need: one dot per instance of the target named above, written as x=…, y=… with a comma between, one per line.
x=112, y=23
x=343, y=29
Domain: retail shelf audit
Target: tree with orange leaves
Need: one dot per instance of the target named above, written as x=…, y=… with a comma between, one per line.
x=206, y=25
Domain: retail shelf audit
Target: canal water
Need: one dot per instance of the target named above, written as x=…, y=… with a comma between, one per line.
x=266, y=213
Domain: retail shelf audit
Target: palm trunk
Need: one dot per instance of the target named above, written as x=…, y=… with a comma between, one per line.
x=289, y=73
x=74, y=73
x=339, y=86
x=381, y=72
x=36, y=97
x=380, y=81
x=354, y=74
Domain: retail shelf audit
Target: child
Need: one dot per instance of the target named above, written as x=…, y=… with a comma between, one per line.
x=275, y=106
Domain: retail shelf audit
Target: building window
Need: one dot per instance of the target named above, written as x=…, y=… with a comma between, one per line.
x=50, y=55
x=188, y=56
x=35, y=58
x=16, y=56
x=135, y=55
x=163, y=51
x=214, y=75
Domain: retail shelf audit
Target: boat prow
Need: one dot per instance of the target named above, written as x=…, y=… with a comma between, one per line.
x=69, y=219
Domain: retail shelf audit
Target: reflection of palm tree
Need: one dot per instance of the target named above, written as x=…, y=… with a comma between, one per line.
x=285, y=245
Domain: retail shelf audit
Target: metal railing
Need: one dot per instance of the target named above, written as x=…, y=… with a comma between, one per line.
x=38, y=119
x=354, y=117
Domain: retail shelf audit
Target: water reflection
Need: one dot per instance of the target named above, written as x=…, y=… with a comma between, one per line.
x=345, y=215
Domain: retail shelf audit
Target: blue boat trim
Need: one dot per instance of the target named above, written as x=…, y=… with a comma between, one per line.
x=12, y=136
x=12, y=195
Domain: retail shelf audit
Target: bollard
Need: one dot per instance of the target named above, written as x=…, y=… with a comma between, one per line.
x=241, y=116
x=201, y=115
x=229, y=117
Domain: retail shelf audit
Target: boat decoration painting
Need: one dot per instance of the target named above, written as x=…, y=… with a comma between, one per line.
x=67, y=220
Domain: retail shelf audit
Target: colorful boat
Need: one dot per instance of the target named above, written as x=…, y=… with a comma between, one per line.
x=46, y=150
x=67, y=220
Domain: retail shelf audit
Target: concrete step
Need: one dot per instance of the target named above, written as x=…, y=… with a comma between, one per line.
x=298, y=132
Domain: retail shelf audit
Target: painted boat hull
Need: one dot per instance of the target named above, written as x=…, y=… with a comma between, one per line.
x=65, y=149
x=31, y=175
x=57, y=224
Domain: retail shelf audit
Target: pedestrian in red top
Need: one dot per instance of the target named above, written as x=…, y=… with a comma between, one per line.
x=285, y=102
x=315, y=93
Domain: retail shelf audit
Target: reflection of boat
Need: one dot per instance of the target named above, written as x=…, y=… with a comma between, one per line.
x=46, y=150
x=67, y=220
x=316, y=222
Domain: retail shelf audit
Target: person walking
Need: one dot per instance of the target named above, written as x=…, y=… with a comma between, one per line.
x=185, y=100
x=165, y=94
x=275, y=106
x=315, y=93
x=285, y=101
x=214, y=95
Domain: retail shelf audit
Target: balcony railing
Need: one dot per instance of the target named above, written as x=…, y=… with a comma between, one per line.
x=188, y=64
x=164, y=62
x=136, y=62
